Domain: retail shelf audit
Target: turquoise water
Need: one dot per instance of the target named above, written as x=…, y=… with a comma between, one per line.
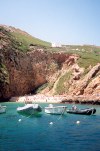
x=21, y=133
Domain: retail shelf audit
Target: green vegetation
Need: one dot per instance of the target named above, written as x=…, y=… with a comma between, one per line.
x=53, y=66
x=25, y=40
x=87, y=59
x=42, y=87
x=4, y=76
x=50, y=85
x=20, y=40
x=89, y=55
x=63, y=85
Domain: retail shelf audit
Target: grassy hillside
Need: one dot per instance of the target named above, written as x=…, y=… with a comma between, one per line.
x=20, y=39
x=27, y=39
x=89, y=55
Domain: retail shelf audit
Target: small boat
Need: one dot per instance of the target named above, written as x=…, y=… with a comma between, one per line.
x=58, y=110
x=2, y=109
x=30, y=109
x=87, y=111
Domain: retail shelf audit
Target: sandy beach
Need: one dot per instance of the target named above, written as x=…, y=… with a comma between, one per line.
x=38, y=99
x=87, y=99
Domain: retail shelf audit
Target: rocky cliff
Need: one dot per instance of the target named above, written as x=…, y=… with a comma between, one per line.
x=34, y=68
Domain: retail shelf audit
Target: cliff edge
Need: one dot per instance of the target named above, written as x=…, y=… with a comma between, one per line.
x=31, y=66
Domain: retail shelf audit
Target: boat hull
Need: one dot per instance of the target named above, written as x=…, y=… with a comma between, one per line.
x=2, y=109
x=58, y=110
x=29, y=109
x=82, y=111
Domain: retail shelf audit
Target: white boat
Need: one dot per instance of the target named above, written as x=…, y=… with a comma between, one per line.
x=60, y=110
x=30, y=109
x=2, y=109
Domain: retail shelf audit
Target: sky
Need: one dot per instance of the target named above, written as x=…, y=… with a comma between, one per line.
x=57, y=21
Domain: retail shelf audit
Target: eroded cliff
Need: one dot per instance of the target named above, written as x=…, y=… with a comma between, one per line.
x=39, y=69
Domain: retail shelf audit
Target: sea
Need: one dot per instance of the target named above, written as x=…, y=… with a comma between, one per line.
x=45, y=132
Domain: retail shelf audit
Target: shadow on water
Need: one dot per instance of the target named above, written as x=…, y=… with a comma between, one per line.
x=30, y=115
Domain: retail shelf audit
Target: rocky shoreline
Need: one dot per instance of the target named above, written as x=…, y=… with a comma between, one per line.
x=81, y=99
x=87, y=99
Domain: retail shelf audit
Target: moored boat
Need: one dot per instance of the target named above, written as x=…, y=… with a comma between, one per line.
x=60, y=110
x=87, y=111
x=30, y=109
x=2, y=109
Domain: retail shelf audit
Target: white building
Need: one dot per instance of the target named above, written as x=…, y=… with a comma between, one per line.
x=56, y=45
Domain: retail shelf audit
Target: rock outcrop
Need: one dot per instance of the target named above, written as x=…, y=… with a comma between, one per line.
x=88, y=84
x=27, y=72
x=24, y=72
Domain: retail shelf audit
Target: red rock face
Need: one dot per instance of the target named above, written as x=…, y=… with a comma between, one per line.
x=88, y=84
x=28, y=71
x=93, y=87
x=22, y=73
